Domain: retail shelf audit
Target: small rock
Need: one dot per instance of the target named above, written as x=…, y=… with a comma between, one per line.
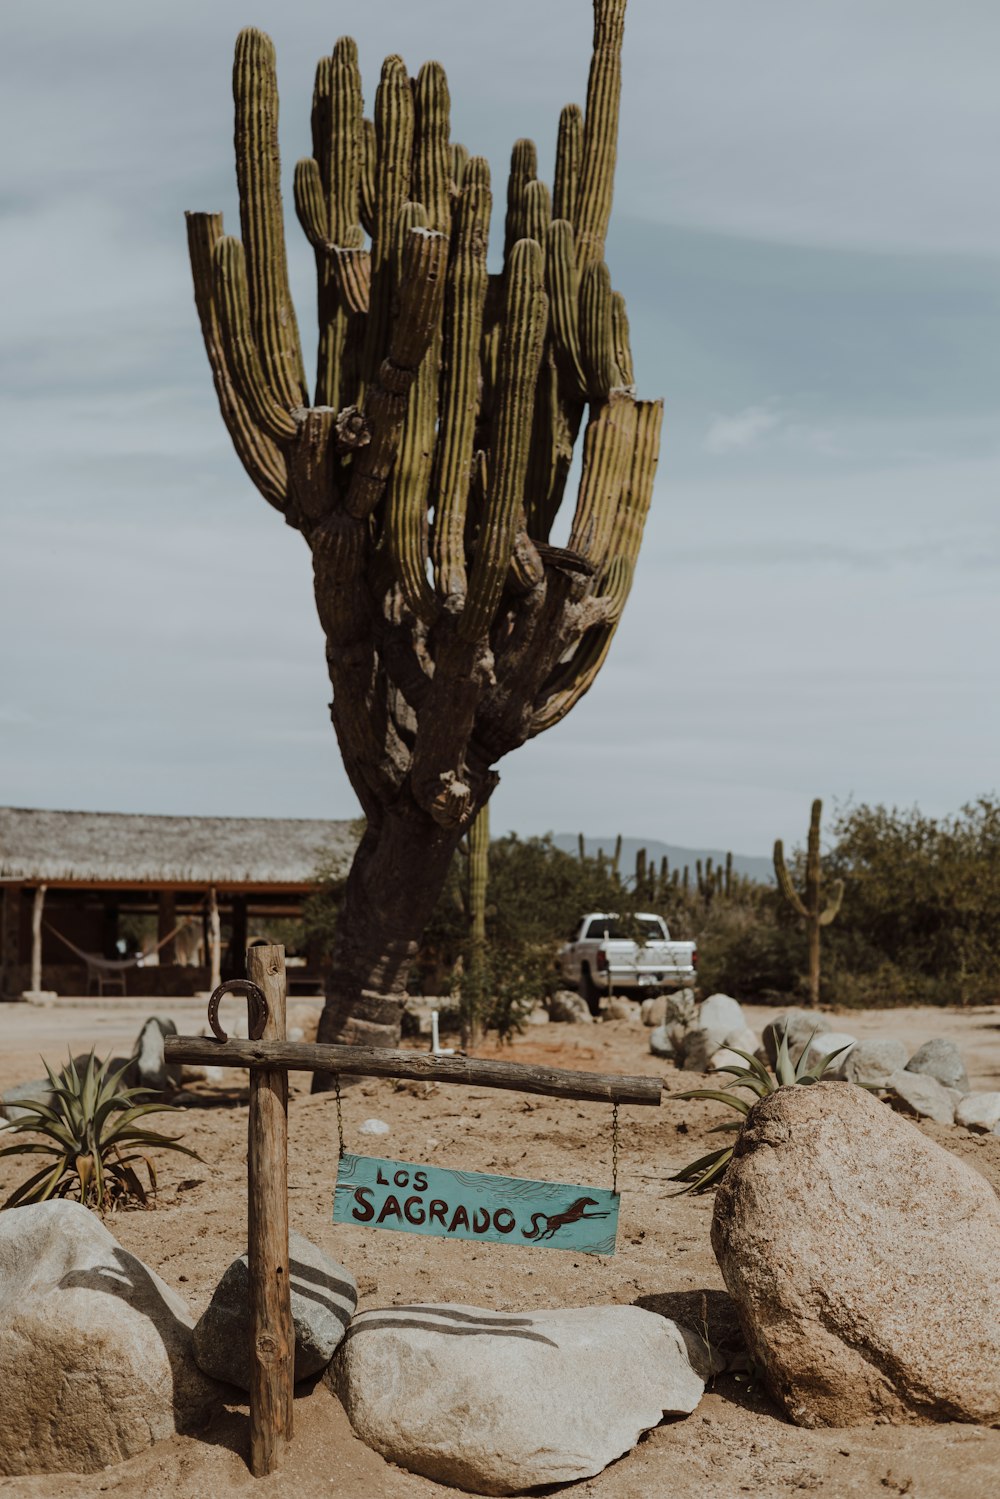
x=373, y=1127
x=621, y=1009
x=798, y=1025
x=95, y=1350
x=940, y=1059
x=324, y=1296
x=538, y=1016
x=569, y=1008
x=871, y=1064
x=921, y=1095
x=979, y=1112
x=821, y=1046
x=660, y=1043
x=653, y=1011
x=499, y=1403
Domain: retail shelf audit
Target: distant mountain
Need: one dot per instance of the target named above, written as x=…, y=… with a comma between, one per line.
x=756, y=867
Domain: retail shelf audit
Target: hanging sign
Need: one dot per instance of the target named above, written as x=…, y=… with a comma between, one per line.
x=471, y=1205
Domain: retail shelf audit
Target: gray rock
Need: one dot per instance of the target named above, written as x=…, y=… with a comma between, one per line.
x=799, y=1025
x=660, y=1043
x=95, y=1350
x=940, y=1059
x=864, y=1261
x=499, y=1403
x=979, y=1112
x=39, y=1090
x=920, y=1095
x=722, y=1015
x=822, y=1045
x=743, y=1041
x=539, y=1015
x=653, y=1011
x=871, y=1063
x=569, y=1008
x=324, y=1296
x=719, y=1019
x=621, y=1009
x=150, y=1069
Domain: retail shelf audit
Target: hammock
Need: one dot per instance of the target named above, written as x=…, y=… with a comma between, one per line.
x=113, y=970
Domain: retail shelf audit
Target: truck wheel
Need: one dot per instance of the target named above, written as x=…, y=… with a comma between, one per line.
x=589, y=991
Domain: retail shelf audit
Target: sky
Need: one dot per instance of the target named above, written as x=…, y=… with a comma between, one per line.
x=807, y=231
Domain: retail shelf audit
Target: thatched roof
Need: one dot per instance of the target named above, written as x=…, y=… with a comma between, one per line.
x=131, y=848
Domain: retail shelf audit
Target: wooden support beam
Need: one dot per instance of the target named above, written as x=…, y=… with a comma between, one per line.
x=272, y=1347
x=166, y=920
x=374, y=1061
x=36, y=939
x=214, y=955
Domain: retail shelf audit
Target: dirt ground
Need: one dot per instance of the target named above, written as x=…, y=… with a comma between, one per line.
x=735, y=1443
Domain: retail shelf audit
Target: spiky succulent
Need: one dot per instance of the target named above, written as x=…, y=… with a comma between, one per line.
x=88, y=1129
x=708, y=1170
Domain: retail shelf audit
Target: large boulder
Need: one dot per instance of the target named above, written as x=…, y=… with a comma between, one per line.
x=864, y=1261
x=324, y=1296
x=940, y=1059
x=871, y=1064
x=499, y=1403
x=922, y=1096
x=95, y=1350
x=830, y=1041
x=719, y=1022
x=798, y=1025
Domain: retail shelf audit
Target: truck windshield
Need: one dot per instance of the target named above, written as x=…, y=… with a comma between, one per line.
x=612, y=926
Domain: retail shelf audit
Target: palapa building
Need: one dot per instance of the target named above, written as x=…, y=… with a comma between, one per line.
x=112, y=902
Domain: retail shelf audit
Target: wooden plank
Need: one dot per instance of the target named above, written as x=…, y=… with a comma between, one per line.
x=473, y=1205
x=374, y=1061
x=272, y=1346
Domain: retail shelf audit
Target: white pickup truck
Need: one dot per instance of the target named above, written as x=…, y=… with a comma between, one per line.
x=599, y=959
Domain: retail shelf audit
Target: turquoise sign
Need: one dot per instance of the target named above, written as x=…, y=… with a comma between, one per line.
x=471, y=1205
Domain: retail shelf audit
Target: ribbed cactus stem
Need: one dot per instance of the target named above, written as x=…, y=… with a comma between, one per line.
x=431, y=183
x=600, y=132
x=479, y=856
x=523, y=169
x=525, y=313
x=617, y=859
x=393, y=158
x=233, y=302
x=258, y=172
x=597, y=341
x=569, y=150
x=809, y=908
x=366, y=181
x=563, y=286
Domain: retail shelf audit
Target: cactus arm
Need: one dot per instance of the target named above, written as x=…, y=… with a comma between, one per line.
x=431, y=184
x=833, y=904
x=523, y=169
x=621, y=341
x=258, y=169
x=351, y=271
x=366, y=181
x=563, y=285
x=608, y=445
x=569, y=149
x=420, y=298
x=342, y=181
x=466, y=295
x=479, y=855
x=537, y=212
x=600, y=133
x=574, y=677
x=597, y=331
x=785, y=885
x=525, y=314
x=394, y=150
x=458, y=156
x=231, y=296
x=812, y=859
x=259, y=455
x=310, y=207
x=406, y=510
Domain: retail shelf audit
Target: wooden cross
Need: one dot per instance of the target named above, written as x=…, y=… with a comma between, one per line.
x=270, y=1057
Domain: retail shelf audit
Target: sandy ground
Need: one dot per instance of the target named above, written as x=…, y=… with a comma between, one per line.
x=735, y=1443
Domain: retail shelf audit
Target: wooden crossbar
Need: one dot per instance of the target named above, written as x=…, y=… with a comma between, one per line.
x=374, y=1061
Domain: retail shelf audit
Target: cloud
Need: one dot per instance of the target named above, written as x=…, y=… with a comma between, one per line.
x=730, y=434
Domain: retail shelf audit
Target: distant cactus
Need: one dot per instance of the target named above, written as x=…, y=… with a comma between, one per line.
x=426, y=467
x=809, y=908
x=479, y=861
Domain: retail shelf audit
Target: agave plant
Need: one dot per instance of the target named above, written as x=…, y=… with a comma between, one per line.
x=708, y=1170
x=90, y=1132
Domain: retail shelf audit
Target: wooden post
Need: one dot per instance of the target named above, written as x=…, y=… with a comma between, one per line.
x=36, y=939
x=272, y=1346
x=166, y=920
x=214, y=954
x=10, y=939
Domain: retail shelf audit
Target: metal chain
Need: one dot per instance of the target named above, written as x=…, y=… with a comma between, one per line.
x=340, y=1114
x=614, y=1149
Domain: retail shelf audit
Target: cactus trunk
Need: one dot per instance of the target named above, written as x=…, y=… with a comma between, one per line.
x=810, y=909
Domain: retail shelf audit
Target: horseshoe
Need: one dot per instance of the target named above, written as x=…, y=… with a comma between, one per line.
x=256, y=1008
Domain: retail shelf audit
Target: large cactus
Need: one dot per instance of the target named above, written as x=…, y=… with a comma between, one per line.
x=809, y=908
x=427, y=472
